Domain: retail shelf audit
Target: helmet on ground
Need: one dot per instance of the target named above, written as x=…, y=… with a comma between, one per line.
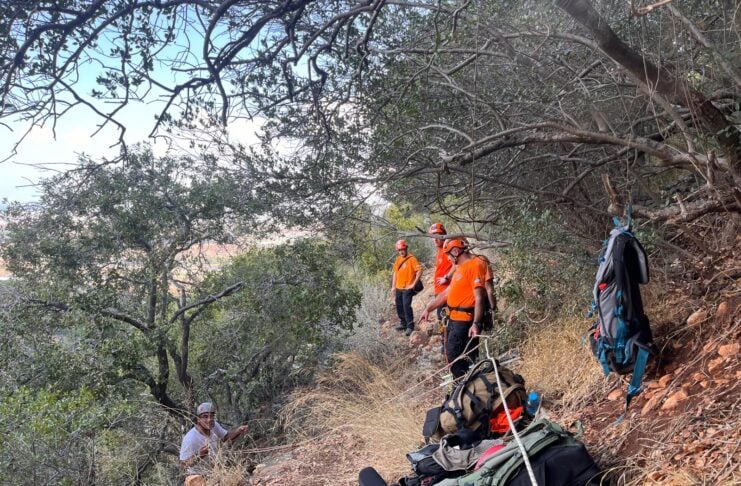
x=401, y=245
x=455, y=243
x=437, y=229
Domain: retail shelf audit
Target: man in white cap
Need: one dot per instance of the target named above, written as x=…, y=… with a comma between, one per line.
x=202, y=441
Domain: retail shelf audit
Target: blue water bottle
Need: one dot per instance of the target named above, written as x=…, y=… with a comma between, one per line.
x=533, y=403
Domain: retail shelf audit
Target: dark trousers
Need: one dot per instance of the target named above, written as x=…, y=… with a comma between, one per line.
x=404, y=308
x=456, y=344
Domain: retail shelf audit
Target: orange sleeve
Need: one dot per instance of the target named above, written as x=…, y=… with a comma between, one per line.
x=478, y=274
x=487, y=265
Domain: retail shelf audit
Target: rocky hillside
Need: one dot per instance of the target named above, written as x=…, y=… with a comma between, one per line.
x=684, y=429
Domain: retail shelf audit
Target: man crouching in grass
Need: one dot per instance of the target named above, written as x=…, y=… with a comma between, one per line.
x=201, y=444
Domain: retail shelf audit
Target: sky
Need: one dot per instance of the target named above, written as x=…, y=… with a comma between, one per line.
x=45, y=152
x=42, y=154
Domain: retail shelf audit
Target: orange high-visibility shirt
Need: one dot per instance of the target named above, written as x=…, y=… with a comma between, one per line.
x=467, y=277
x=442, y=267
x=487, y=262
x=406, y=269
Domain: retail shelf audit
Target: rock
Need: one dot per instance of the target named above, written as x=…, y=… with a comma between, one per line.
x=696, y=318
x=615, y=394
x=673, y=401
x=650, y=405
x=418, y=338
x=714, y=364
x=697, y=377
x=664, y=381
x=728, y=350
x=427, y=327
x=722, y=312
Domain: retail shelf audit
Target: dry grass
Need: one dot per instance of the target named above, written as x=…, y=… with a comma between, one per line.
x=555, y=362
x=359, y=413
x=229, y=469
x=366, y=339
x=359, y=398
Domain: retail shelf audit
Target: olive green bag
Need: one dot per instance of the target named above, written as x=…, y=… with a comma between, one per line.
x=540, y=435
x=476, y=399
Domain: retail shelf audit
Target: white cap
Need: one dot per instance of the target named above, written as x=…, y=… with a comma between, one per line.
x=205, y=407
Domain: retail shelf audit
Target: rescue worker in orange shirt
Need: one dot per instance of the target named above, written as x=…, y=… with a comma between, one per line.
x=443, y=265
x=465, y=298
x=407, y=272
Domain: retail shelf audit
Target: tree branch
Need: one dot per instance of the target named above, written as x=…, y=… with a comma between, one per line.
x=206, y=301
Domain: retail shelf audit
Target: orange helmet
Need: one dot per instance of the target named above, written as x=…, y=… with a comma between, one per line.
x=437, y=229
x=455, y=243
x=401, y=245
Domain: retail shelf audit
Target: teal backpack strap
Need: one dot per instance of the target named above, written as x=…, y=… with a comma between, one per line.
x=634, y=388
x=638, y=370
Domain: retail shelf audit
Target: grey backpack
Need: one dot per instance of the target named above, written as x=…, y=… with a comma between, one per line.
x=621, y=337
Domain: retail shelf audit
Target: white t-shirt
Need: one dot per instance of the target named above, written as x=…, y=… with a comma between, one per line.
x=194, y=440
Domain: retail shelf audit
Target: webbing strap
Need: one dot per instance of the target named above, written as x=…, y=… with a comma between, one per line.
x=602, y=351
x=638, y=370
x=634, y=388
x=463, y=309
x=467, y=310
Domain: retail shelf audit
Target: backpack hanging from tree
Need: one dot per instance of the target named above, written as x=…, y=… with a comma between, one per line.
x=621, y=337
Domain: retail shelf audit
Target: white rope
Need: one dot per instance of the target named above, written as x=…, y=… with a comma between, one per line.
x=525, y=458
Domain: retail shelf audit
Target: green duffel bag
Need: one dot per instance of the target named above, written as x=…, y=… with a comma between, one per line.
x=537, y=439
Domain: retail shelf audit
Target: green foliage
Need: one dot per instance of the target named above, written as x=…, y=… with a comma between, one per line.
x=368, y=240
x=96, y=258
x=107, y=282
x=293, y=309
x=53, y=437
x=548, y=264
